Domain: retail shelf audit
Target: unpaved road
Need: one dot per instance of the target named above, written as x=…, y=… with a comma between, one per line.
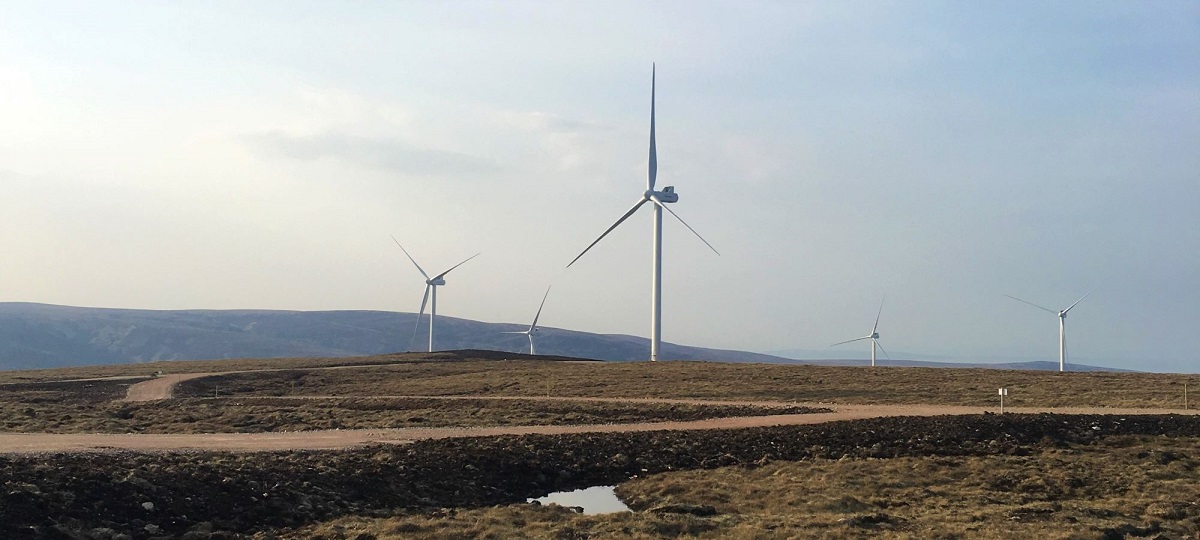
x=162, y=388
x=159, y=388
x=316, y=440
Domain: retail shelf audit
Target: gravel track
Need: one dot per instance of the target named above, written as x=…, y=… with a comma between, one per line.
x=26, y=443
x=163, y=388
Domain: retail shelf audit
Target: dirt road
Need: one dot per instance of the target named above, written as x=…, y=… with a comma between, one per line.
x=315, y=440
x=163, y=387
x=159, y=388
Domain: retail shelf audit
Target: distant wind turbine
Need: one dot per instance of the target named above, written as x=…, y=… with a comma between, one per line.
x=873, y=336
x=1062, y=327
x=431, y=285
x=533, y=326
x=660, y=200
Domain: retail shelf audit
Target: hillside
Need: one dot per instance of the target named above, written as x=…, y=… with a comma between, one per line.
x=45, y=336
x=34, y=336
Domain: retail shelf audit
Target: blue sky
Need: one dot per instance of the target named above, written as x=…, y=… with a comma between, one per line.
x=258, y=155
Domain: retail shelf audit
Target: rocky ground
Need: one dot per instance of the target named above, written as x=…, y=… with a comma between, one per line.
x=203, y=495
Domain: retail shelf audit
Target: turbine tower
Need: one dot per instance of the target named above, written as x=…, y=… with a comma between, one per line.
x=1062, y=327
x=873, y=336
x=431, y=285
x=533, y=327
x=660, y=200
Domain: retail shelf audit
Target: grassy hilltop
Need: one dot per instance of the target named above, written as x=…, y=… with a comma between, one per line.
x=968, y=476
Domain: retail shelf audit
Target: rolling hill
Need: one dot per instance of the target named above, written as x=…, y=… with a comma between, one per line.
x=34, y=336
x=45, y=336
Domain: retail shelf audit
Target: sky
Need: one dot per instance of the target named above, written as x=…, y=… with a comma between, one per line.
x=180, y=155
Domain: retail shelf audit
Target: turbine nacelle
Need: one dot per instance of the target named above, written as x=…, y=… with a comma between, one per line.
x=667, y=195
x=874, y=335
x=438, y=282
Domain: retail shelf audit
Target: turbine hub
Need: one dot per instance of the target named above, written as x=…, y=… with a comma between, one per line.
x=667, y=195
x=874, y=335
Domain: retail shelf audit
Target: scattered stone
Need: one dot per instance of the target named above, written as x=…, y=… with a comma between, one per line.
x=103, y=533
x=701, y=510
x=871, y=520
x=1119, y=533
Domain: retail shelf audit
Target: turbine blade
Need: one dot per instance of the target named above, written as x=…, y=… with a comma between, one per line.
x=652, y=170
x=880, y=345
x=1033, y=304
x=414, y=261
x=531, y=344
x=515, y=332
x=539, y=311
x=689, y=227
x=614, y=225
x=456, y=266
x=876, y=327
x=417, y=324
x=1078, y=301
x=849, y=341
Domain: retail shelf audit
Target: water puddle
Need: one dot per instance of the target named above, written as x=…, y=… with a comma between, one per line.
x=593, y=500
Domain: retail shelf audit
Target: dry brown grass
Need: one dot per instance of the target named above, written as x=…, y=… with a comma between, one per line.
x=1142, y=485
x=705, y=380
x=505, y=522
x=37, y=414
x=87, y=406
x=1059, y=493
x=448, y=374
x=211, y=366
x=1147, y=486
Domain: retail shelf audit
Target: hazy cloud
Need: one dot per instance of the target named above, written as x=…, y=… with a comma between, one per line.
x=378, y=153
x=940, y=153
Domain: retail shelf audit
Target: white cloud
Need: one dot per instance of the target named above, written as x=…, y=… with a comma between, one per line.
x=387, y=154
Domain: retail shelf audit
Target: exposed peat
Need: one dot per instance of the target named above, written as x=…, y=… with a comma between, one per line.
x=223, y=494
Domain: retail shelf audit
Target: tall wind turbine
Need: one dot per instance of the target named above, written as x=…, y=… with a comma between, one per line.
x=660, y=199
x=1062, y=327
x=533, y=326
x=431, y=285
x=873, y=336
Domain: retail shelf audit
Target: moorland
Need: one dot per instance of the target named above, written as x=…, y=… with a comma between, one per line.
x=1068, y=472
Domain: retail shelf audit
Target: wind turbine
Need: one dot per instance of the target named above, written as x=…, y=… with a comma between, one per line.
x=431, y=285
x=533, y=326
x=660, y=199
x=873, y=336
x=1062, y=327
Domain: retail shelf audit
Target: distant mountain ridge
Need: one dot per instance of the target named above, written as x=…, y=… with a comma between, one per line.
x=814, y=356
x=44, y=336
x=34, y=336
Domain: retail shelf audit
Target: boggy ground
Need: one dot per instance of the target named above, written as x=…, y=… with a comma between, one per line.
x=510, y=374
x=207, y=494
x=1115, y=487
x=718, y=381
x=39, y=412
x=257, y=364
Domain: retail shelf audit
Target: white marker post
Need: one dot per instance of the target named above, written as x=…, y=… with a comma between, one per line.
x=1003, y=392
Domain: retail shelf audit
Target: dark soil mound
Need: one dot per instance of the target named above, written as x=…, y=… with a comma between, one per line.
x=144, y=495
